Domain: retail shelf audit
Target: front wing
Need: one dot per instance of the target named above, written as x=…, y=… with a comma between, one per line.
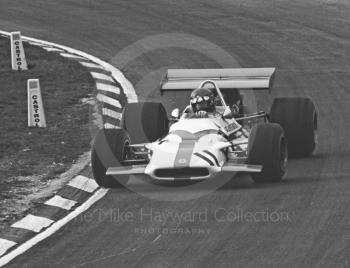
x=183, y=173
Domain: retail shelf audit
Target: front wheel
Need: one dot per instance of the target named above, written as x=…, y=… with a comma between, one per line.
x=145, y=122
x=109, y=150
x=267, y=146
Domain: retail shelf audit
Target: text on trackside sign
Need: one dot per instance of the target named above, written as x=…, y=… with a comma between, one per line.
x=18, y=58
x=36, y=115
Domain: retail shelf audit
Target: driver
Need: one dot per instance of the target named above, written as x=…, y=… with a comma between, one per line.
x=203, y=103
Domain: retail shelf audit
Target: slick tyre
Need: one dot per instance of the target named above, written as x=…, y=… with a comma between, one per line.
x=267, y=146
x=109, y=150
x=298, y=117
x=145, y=122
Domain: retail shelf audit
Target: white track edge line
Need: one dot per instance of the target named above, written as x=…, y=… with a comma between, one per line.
x=117, y=74
x=90, y=65
x=5, y=245
x=111, y=101
x=71, y=56
x=102, y=76
x=111, y=113
x=33, y=223
x=52, y=49
x=83, y=183
x=109, y=125
x=61, y=202
x=108, y=88
x=53, y=228
x=132, y=97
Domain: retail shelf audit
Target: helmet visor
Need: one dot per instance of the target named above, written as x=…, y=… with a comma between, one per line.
x=200, y=103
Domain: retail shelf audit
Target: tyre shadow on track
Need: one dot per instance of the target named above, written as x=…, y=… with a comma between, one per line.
x=307, y=170
x=312, y=174
x=142, y=184
x=302, y=170
x=314, y=179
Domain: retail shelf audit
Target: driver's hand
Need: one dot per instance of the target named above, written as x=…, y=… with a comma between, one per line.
x=201, y=114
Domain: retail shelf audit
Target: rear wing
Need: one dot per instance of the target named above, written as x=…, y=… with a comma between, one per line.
x=242, y=78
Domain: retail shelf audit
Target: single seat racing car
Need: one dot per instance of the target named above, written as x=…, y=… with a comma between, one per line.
x=185, y=146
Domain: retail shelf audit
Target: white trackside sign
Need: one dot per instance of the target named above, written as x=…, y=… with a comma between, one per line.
x=18, y=58
x=36, y=115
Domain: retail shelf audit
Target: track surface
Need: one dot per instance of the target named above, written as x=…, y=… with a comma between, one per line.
x=309, y=43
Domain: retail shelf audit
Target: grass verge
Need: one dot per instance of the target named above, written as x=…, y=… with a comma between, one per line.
x=32, y=157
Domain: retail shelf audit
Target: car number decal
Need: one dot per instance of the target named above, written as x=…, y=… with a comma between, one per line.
x=231, y=127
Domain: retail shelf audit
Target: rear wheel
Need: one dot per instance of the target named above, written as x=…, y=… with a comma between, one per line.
x=298, y=117
x=234, y=99
x=267, y=146
x=145, y=122
x=109, y=150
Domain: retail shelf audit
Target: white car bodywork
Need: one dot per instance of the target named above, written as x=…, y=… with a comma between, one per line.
x=195, y=149
x=198, y=148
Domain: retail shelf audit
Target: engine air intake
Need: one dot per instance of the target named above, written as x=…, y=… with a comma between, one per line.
x=185, y=172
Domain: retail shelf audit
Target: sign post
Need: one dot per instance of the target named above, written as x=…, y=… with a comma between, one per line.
x=18, y=58
x=36, y=115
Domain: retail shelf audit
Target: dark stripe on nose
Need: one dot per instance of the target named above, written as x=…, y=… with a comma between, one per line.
x=213, y=156
x=184, y=154
x=204, y=158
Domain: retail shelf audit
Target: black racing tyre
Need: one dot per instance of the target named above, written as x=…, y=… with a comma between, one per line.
x=108, y=150
x=298, y=117
x=267, y=146
x=145, y=122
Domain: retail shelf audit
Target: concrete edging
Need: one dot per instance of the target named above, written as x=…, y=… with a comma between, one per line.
x=81, y=192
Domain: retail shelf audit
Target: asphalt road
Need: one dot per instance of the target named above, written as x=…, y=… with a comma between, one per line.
x=307, y=221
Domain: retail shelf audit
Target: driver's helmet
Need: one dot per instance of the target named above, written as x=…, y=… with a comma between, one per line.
x=203, y=99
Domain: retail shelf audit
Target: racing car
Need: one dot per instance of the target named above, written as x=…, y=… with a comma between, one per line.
x=180, y=147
